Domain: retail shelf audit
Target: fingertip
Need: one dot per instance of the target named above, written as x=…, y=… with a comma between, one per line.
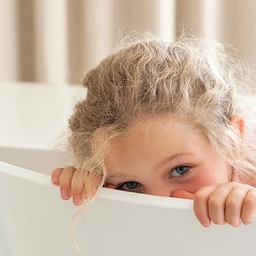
x=182, y=194
x=235, y=225
x=204, y=220
x=206, y=224
x=247, y=222
x=77, y=200
x=65, y=194
x=55, y=180
x=55, y=175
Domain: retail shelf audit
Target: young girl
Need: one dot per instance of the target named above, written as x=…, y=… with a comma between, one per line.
x=163, y=119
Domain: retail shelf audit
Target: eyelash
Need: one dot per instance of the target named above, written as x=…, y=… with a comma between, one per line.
x=179, y=175
x=119, y=186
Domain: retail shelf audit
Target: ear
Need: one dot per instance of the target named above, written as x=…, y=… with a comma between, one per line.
x=238, y=121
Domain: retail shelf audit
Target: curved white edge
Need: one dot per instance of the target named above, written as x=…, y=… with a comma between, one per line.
x=143, y=199
x=25, y=174
x=108, y=194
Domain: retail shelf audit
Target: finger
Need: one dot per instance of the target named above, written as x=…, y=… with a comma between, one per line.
x=96, y=182
x=201, y=205
x=233, y=207
x=56, y=173
x=110, y=185
x=77, y=188
x=182, y=194
x=65, y=182
x=249, y=207
x=217, y=204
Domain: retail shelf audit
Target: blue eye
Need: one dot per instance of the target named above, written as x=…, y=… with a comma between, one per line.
x=179, y=171
x=129, y=185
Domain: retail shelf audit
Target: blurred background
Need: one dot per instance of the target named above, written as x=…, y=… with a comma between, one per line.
x=57, y=41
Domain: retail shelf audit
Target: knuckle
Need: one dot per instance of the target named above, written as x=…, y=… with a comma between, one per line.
x=57, y=172
x=77, y=191
x=77, y=188
x=64, y=183
x=66, y=178
x=76, y=173
x=57, y=169
x=250, y=199
x=232, y=203
x=215, y=202
x=70, y=168
x=200, y=196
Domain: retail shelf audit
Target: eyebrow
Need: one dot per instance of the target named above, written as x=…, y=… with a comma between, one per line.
x=171, y=158
x=116, y=175
x=158, y=166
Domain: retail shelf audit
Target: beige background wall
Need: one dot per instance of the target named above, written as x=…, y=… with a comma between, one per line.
x=228, y=21
x=58, y=41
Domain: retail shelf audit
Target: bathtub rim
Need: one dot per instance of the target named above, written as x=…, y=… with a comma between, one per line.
x=105, y=193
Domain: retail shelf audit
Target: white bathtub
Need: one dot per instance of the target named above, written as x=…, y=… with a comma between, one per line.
x=34, y=221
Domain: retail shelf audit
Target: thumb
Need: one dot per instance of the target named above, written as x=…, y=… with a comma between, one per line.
x=182, y=194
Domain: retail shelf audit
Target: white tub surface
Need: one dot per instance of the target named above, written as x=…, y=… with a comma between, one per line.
x=34, y=221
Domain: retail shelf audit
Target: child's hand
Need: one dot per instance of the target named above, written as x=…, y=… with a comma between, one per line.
x=230, y=203
x=70, y=182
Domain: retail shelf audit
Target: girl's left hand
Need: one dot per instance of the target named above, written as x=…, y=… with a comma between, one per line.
x=230, y=203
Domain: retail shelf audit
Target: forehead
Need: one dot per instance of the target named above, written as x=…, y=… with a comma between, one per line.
x=157, y=125
x=151, y=138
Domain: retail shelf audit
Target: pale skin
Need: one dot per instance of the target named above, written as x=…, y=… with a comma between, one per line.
x=164, y=157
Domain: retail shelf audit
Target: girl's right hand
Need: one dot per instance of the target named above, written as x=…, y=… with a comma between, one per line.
x=70, y=182
x=230, y=203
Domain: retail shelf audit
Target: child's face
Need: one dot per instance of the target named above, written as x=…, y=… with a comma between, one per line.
x=161, y=156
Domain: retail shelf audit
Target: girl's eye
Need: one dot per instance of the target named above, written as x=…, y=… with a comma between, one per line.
x=129, y=185
x=179, y=171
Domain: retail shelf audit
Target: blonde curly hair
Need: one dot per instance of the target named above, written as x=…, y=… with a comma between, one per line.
x=189, y=78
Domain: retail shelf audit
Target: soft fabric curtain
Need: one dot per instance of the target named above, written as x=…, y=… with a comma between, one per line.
x=58, y=41
x=226, y=21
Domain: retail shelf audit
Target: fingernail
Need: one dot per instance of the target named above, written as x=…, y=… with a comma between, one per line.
x=247, y=222
x=55, y=180
x=65, y=194
x=206, y=224
x=77, y=200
